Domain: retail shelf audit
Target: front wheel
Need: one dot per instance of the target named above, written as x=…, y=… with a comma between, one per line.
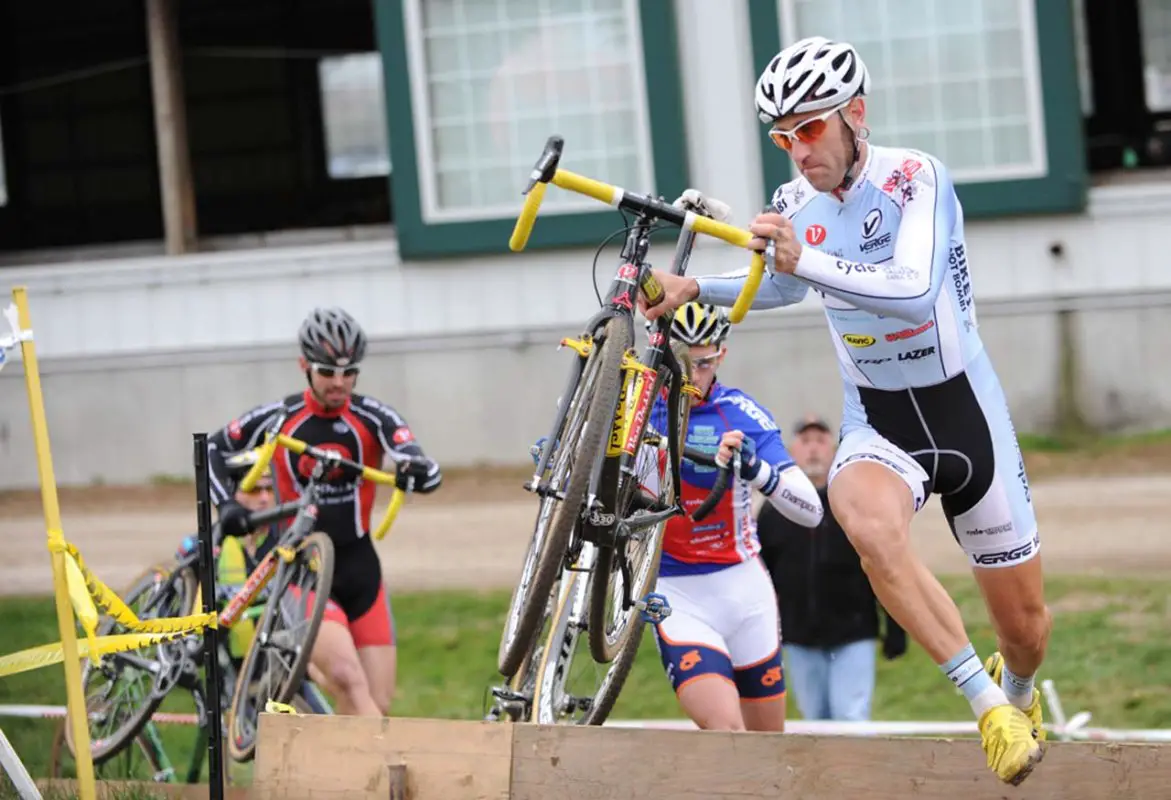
x=639, y=548
x=578, y=444
x=283, y=644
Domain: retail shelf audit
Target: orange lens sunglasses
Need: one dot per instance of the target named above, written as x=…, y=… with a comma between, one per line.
x=807, y=132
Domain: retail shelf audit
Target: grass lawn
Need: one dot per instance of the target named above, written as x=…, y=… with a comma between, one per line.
x=1110, y=654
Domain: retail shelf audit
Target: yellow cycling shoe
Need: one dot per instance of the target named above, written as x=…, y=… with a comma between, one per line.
x=1008, y=741
x=994, y=666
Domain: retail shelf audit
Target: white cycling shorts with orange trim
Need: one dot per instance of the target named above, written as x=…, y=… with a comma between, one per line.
x=724, y=625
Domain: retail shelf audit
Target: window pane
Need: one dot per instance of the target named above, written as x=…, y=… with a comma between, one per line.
x=1085, y=84
x=354, y=110
x=3, y=180
x=501, y=76
x=957, y=79
x=1155, y=23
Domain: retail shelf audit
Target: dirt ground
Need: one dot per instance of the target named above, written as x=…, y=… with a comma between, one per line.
x=1099, y=513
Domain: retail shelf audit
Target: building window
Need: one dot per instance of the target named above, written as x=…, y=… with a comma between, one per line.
x=353, y=103
x=1155, y=27
x=490, y=81
x=959, y=80
x=3, y=178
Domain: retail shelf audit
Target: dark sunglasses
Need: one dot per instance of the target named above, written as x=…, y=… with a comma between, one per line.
x=326, y=371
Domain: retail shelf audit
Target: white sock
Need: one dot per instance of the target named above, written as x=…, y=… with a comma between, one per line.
x=1018, y=690
x=966, y=672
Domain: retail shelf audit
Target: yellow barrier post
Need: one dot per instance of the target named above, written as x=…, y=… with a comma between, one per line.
x=72, y=662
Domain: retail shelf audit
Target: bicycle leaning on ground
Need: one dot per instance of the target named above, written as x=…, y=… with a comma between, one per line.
x=593, y=519
x=288, y=589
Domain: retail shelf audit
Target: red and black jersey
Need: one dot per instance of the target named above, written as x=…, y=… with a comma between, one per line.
x=363, y=430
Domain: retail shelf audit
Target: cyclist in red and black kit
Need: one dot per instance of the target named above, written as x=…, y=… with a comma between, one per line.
x=354, y=653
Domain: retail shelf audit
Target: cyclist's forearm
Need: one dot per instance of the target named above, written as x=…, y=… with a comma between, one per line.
x=791, y=492
x=902, y=290
x=775, y=290
x=218, y=474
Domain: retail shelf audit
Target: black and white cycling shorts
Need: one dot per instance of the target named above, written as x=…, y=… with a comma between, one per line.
x=954, y=439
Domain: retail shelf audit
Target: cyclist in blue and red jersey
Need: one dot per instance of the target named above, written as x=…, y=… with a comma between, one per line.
x=721, y=644
x=354, y=653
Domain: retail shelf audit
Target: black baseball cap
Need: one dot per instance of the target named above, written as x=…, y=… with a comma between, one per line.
x=811, y=421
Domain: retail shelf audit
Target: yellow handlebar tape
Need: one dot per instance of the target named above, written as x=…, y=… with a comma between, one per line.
x=527, y=218
x=748, y=293
x=396, y=502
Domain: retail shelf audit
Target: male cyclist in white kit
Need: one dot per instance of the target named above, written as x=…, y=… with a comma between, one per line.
x=877, y=232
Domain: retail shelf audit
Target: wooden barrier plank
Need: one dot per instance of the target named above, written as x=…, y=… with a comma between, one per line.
x=580, y=763
x=315, y=756
x=53, y=788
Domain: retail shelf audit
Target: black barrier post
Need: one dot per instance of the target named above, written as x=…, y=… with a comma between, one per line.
x=211, y=635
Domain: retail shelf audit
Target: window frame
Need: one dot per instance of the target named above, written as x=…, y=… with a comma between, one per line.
x=1061, y=187
x=424, y=234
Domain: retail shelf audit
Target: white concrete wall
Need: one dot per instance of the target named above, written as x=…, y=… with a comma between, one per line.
x=140, y=352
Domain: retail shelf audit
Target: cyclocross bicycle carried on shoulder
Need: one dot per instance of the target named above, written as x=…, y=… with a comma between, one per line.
x=586, y=476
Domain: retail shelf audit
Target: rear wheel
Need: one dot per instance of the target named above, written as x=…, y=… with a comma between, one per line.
x=570, y=687
x=280, y=651
x=578, y=445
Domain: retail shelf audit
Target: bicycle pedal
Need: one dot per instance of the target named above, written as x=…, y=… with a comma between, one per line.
x=654, y=608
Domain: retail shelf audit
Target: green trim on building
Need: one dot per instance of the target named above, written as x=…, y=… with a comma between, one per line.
x=419, y=239
x=1062, y=189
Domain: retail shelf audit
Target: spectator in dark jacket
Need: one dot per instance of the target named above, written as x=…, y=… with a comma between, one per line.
x=829, y=615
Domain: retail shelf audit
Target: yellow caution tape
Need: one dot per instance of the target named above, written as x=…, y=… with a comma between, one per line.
x=90, y=597
x=108, y=601
x=48, y=654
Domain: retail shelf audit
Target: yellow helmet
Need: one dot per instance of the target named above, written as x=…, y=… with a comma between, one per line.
x=698, y=324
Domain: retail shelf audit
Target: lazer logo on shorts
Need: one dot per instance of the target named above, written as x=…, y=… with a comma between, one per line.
x=852, y=267
x=858, y=339
x=1006, y=556
x=910, y=333
x=915, y=355
x=1005, y=528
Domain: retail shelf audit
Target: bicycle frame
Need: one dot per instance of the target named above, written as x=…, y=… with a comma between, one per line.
x=638, y=381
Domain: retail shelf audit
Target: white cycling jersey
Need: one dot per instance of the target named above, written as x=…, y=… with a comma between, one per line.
x=888, y=258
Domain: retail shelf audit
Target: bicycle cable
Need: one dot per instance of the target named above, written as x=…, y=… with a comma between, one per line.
x=659, y=226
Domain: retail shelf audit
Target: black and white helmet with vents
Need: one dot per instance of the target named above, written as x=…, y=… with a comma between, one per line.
x=813, y=74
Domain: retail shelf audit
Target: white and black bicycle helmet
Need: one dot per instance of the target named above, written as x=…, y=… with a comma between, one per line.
x=810, y=75
x=332, y=337
x=699, y=324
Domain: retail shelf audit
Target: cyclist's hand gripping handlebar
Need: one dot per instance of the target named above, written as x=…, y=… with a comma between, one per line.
x=272, y=441
x=546, y=171
x=723, y=479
